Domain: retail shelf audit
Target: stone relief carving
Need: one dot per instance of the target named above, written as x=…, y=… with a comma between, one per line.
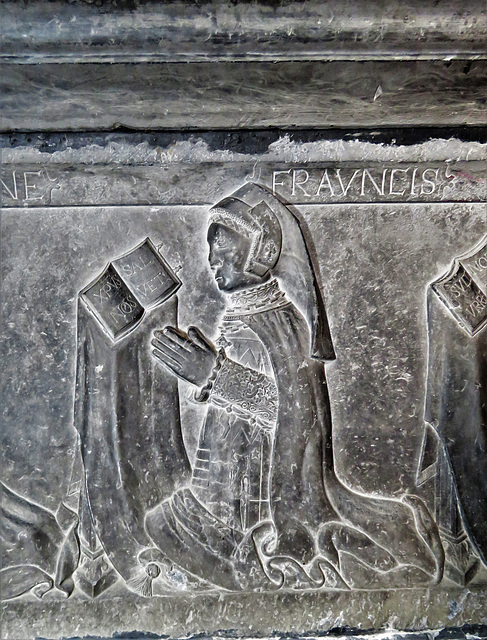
x=260, y=507
x=456, y=404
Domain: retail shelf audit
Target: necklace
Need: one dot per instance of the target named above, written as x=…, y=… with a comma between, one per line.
x=262, y=297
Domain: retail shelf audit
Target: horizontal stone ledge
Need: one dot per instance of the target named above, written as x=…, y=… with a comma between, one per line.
x=445, y=54
x=277, y=613
x=116, y=31
x=67, y=97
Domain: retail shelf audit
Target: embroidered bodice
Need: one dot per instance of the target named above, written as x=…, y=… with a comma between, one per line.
x=231, y=473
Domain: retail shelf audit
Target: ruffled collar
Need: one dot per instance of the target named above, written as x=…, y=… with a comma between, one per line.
x=262, y=297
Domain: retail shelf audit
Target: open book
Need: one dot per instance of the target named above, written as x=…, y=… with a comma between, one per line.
x=139, y=280
x=464, y=289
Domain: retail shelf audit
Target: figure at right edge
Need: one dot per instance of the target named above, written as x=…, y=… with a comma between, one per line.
x=454, y=456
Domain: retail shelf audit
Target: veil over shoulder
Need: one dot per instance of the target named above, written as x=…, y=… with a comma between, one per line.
x=318, y=521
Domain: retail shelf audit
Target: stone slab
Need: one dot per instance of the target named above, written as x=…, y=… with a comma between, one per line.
x=283, y=614
x=109, y=471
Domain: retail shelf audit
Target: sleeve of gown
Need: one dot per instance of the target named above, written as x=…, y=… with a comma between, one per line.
x=246, y=392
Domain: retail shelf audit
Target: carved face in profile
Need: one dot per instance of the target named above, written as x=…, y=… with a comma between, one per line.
x=229, y=251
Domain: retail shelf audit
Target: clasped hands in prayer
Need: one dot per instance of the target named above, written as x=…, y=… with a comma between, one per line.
x=190, y=356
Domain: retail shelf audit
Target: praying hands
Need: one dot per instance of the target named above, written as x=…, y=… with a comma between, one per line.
x=190, y=356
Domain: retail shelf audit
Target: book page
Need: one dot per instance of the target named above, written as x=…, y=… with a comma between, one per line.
x=147, y=275
x=476, y=266
x=113, y=304
x=464, y=298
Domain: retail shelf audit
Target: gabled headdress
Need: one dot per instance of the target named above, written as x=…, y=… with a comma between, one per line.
x=259, y=224
x=278, y=245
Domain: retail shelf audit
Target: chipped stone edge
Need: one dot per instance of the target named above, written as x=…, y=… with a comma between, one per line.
x=284, y=149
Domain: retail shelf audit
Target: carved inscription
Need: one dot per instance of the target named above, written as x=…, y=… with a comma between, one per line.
x=463, y=289
x=139, y=280
x=329, y=184
x=476, y=264
x=19, y=187
x=311, y=183
x=112, y=302
x=146, y=273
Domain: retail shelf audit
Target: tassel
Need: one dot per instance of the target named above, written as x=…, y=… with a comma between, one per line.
x=142, y=583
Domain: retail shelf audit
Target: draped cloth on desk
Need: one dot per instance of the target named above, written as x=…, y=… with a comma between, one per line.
x=127, y=417
x=39, y=549
x=456, y=406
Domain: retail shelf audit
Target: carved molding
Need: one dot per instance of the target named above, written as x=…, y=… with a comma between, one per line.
x=129, y=31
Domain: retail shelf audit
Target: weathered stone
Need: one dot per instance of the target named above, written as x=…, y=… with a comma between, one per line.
x=290, y=94
x=141, y=30
x=201, y=480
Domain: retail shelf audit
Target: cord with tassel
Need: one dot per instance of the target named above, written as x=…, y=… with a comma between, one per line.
x=142, y=582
